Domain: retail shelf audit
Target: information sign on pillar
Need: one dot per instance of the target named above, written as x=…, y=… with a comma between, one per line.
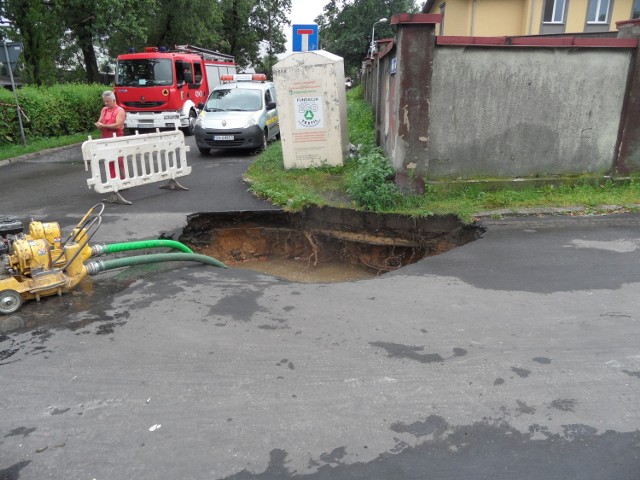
x=305, y=38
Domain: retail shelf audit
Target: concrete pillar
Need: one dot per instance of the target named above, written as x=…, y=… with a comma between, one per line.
x=628, y=152
x=415, y=50
x=312, y=107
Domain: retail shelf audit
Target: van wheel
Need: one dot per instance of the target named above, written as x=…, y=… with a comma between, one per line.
x=263, y=147
x=204, y=151
x=190, y=130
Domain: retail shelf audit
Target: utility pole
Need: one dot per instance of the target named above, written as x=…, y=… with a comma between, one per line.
x=8, y=62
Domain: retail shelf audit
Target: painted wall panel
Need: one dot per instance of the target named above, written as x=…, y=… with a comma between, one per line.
x=576, y=16
x=519, y=17
x=498, y=18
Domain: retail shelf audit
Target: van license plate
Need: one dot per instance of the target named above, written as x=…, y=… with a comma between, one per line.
x=223, y=137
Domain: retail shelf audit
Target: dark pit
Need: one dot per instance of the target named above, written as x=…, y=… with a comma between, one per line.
x=323, y=244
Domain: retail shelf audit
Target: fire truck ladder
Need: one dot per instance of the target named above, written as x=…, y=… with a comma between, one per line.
x=205, y=53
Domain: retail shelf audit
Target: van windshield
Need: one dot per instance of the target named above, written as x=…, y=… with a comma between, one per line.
x=234, y=100
x=146, y=72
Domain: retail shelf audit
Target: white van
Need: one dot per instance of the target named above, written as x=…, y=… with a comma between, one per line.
x=240, y=113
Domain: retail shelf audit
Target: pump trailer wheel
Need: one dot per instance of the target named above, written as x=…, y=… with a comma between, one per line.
x=10, y=301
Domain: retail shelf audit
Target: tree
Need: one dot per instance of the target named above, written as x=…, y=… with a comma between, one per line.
x=266, y=65
x=345, y=27
x=104, y=23
x=242, y=39
x=250, y=24
x=195, y=22
x=35, y=24
x=269, y=18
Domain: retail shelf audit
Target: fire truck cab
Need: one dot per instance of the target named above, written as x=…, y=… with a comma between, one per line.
x=162, y=89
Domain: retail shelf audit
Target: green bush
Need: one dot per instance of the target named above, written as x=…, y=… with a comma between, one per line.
x=361, y=124
x=49, y=111
x=371, y=182
x=367, y=179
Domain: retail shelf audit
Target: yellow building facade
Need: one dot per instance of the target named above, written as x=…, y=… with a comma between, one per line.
x=487, y=18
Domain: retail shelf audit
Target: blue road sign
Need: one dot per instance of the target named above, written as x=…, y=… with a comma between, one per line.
x=305, y=38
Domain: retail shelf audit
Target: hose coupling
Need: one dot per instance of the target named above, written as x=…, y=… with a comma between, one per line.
x=97, y=250
x=94, y=267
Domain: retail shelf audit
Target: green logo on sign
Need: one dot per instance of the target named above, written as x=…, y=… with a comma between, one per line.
x=308, y=115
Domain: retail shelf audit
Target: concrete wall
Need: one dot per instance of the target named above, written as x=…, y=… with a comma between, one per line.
x=499, y=112
x=500, y=107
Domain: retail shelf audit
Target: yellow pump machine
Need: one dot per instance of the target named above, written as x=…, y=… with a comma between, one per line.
x=40, y=263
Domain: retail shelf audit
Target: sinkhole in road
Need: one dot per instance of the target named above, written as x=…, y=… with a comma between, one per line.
x=323, y=244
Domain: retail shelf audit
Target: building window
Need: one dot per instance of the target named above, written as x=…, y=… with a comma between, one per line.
x=636, y=9
x=442, y=8
x=554, y=11
x=598, y=11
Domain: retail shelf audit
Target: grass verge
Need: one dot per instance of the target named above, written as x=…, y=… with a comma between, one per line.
x=39, y=144
x=365, y=182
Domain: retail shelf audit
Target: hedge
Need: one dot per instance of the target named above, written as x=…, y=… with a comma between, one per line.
x=50, y=111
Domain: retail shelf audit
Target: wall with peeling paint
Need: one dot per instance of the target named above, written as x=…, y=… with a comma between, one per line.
x=496, y=107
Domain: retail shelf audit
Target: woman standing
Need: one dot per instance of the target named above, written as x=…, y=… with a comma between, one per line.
x=110, y=124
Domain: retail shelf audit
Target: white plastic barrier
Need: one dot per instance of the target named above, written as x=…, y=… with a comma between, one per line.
x=120, y=163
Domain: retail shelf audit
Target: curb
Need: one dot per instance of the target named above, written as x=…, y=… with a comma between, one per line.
x=527, y=212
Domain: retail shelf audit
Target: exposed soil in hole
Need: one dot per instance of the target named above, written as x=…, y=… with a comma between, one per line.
x=323, y=244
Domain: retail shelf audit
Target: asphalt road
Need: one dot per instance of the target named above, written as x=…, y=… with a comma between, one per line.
x=513, y=357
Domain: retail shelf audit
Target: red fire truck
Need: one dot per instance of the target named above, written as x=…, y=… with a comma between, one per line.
x=162, y=89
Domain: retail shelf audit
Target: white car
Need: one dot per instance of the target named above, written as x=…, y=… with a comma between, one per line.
x=239, y=114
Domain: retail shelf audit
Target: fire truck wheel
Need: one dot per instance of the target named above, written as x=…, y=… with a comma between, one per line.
x=190, y=130
x=204, y=151
x=10, y=301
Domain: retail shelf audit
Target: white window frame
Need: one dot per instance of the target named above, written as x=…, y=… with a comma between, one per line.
x=556, y=5
x=598, y=6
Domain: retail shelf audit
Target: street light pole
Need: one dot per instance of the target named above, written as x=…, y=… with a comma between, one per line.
x=372, y=47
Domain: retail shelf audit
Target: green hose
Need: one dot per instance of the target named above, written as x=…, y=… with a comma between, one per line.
x=125, y=246
x=98, y=266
